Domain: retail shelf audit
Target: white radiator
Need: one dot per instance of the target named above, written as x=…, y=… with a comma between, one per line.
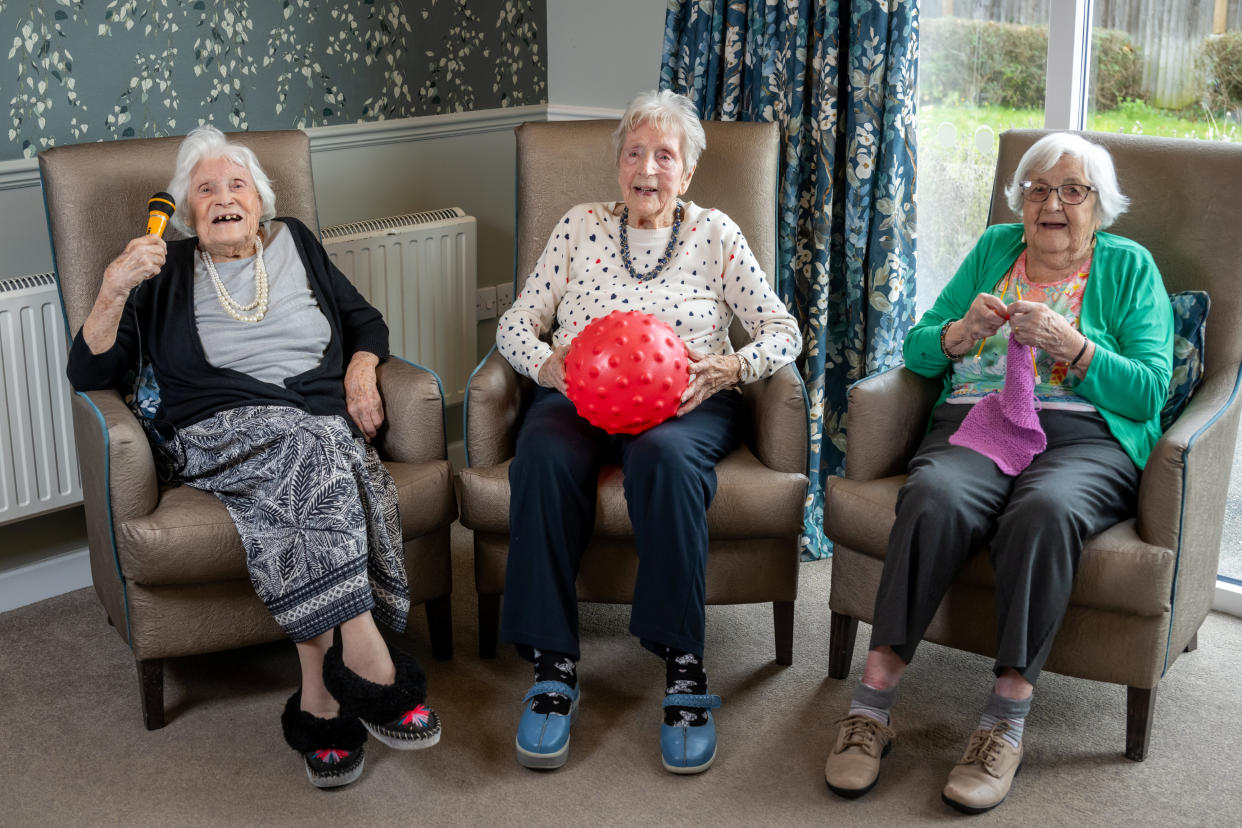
x=38, y=463
x=419, y=270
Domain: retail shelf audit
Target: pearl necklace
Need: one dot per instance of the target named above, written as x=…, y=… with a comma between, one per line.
x=678, y=212
x=231, y=306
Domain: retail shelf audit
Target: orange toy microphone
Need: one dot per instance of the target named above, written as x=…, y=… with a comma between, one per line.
x=159, y=210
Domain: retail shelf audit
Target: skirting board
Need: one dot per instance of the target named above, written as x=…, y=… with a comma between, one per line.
x=457, y=455
x=44, y=579
x=1228, y=598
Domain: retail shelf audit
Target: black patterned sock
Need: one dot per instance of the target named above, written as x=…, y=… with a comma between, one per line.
x=684, y=673
x=553, y=666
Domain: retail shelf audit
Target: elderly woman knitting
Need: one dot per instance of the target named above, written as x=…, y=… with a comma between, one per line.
x=690, y=267
x=1055, y=343
x=265, y=358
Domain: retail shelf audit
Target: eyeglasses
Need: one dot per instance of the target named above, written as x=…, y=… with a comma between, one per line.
x=1068, y=193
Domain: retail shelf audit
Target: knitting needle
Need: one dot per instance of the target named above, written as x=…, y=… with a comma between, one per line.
x=1034, y=368
x=1004, y=289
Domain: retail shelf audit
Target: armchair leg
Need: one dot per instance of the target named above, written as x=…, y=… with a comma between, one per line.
x=151, y=691
x=1140, y=710
x=489, y=623
x=440, y=627
x=842, y=630
x=783, y=623
x=1193, y=643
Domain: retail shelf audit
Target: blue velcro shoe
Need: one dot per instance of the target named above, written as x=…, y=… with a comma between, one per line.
x=689, y=749
x=543, y=738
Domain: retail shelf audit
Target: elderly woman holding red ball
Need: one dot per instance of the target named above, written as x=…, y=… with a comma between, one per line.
x=690, y=267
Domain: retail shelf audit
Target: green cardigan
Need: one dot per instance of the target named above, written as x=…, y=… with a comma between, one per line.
x=1125, y=312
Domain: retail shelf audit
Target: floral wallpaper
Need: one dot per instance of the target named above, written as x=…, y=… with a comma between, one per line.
x=90, y=70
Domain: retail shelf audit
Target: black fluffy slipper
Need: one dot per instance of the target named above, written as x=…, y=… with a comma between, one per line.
x=331, y=748
x=393, y=713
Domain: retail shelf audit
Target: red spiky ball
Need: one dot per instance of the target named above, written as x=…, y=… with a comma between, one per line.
x=626, y=372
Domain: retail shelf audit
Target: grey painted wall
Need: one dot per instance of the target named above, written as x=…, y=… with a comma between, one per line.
x=24, y=244
x=602, y=52
x=474, y=172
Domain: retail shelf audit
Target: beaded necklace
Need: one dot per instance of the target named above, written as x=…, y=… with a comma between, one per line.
x=678, y=212
x=231, y=306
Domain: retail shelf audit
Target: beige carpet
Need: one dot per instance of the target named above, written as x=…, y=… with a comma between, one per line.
x=77, y=754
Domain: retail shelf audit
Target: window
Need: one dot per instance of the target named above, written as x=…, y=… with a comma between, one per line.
x=981, y=72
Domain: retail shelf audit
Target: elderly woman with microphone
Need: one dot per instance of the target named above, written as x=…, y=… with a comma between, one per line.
x=265, y=358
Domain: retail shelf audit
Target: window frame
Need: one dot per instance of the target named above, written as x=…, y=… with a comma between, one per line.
x=1069, y=64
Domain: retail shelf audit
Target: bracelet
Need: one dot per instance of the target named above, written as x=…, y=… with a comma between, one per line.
x=1081, y=351
x=742, y=368
x=944, y=330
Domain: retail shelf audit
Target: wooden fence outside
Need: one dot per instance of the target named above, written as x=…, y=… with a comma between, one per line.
x=1169, y=34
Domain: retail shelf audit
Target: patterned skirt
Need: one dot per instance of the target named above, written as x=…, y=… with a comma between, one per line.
x=315, y=508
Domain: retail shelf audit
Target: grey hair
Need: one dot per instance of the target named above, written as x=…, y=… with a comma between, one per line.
x=205, y=143
x=666, y=111
x=1097, y=166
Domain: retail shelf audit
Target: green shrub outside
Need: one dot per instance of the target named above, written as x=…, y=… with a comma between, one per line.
x=1220, y=64
x=1003, y=64
x=1118, y=74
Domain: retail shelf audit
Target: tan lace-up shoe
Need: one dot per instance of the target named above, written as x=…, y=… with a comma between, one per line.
x=854, y=762
x=980, y=781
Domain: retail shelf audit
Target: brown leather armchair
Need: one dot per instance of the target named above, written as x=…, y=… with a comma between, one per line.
x=167, y=563
x=756, y=518
x=1144, y=586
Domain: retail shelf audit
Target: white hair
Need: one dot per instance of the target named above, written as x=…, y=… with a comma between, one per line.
x=206, y=143
x=1097, y=166
x=668, y=112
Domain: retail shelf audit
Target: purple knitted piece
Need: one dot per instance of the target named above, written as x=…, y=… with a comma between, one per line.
x=1004, y=426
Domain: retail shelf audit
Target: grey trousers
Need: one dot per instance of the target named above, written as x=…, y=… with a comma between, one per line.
x=956, y=501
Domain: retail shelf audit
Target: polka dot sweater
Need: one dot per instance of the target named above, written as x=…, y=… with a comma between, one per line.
x=711, y=277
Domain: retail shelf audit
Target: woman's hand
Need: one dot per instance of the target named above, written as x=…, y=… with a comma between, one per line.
x=362, y=398
x=1037, y=325
x=709, y=373
x=552, y=374
x=141, y=259
x=983, y=318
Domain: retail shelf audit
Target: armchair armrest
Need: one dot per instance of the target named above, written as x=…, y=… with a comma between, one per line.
x=118, y=470
x=118, y=484
x=494, y=402
x=888, y=415
x=1193, y=456
x=778, y=420
x=413, y=430
x=1182, y=498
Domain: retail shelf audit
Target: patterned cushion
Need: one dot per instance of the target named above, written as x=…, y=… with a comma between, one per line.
x=142, y=395
x=1190, y=310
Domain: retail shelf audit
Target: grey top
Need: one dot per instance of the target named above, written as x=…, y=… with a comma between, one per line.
x=289, y=340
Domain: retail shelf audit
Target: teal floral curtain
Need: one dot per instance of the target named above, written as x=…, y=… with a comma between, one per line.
x=839, y=77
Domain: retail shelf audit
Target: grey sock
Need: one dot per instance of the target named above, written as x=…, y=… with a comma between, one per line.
x=872, y=702
x=1014, y=711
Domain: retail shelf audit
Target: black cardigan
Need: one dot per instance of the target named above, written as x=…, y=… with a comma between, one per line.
x=161, y=309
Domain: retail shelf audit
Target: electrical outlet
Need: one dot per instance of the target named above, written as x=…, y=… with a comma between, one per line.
x=504, y=298
x=485, y=303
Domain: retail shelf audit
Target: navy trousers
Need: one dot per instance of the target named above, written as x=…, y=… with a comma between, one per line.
x=670, y=480
x=1034, y=524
